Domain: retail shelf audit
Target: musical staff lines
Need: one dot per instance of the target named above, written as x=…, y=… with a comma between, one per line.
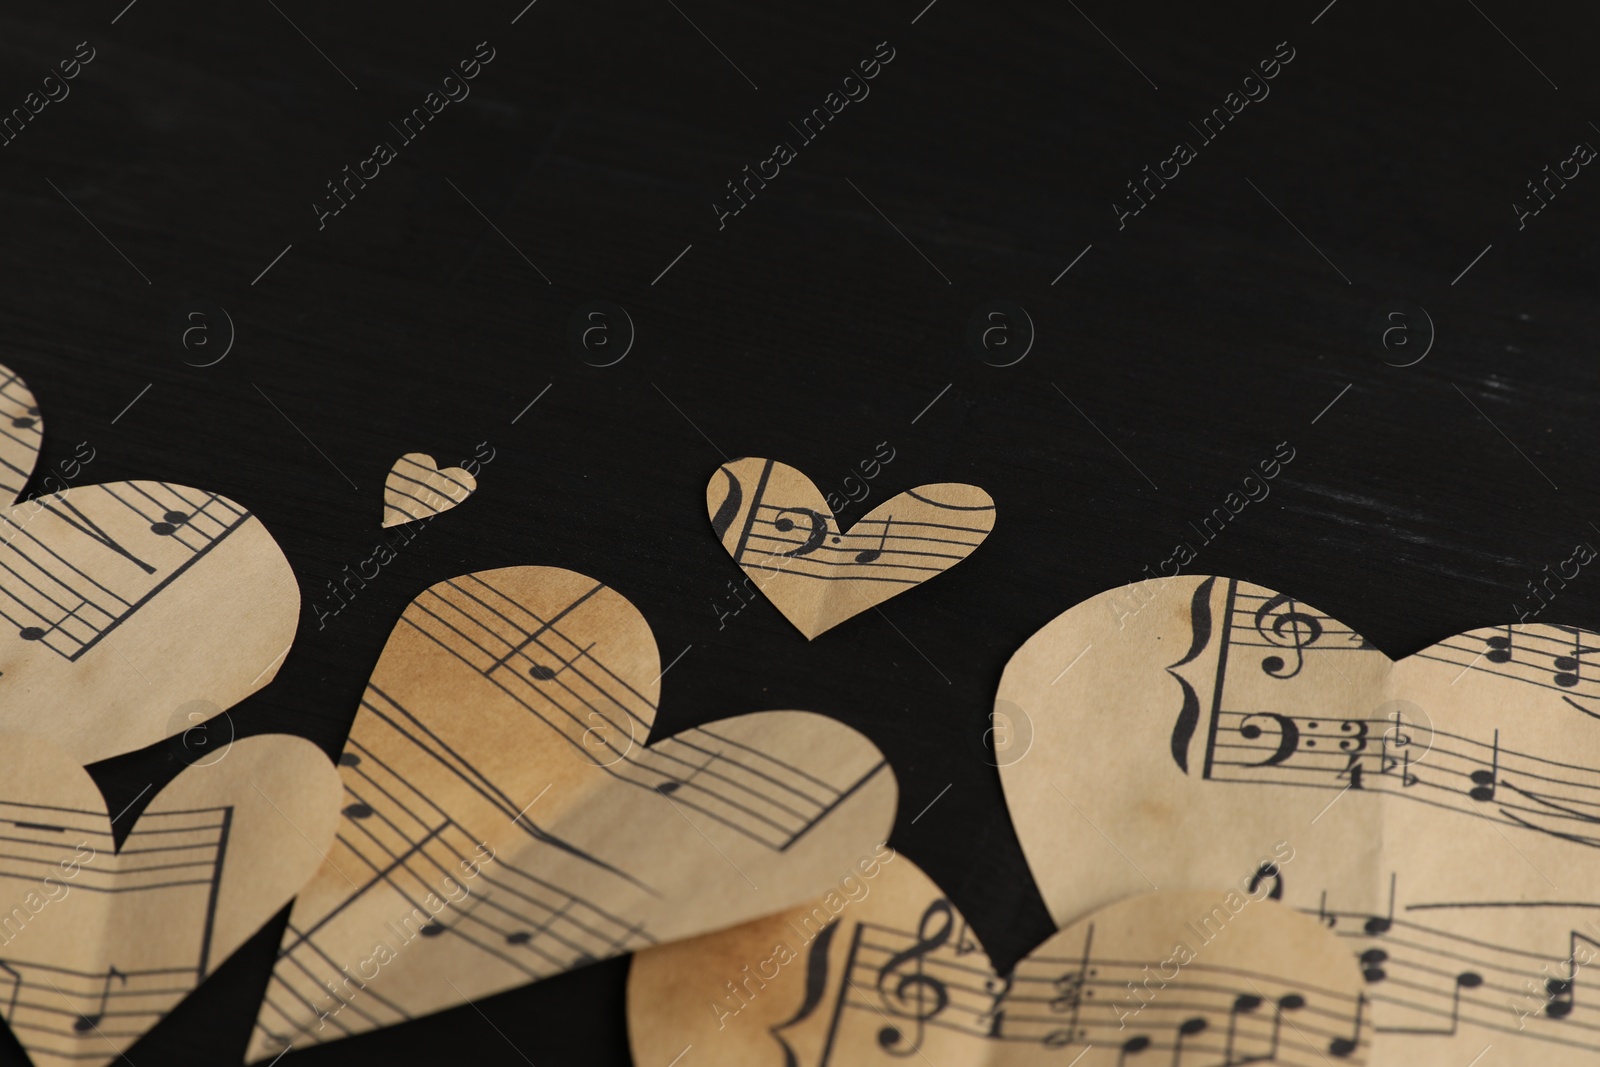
x=401, y=848
x=1487, y=776
x=20, y=434
x=864, y=551
x=495, y=690
x=130, y=541
x=555, y=676
x=904, y=984
x=70, y=1013
x=1429, y=980
x=1550, y=657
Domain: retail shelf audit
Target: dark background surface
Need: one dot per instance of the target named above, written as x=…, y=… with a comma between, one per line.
x=1196, y=339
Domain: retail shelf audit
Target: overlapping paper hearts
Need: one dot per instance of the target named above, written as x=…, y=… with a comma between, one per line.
x=1443, y=810
x=21, y=431
x=884, y=970
x=132, y=611
x=504, y=821
x=98, y=942
x=416, y=488
x=776, y=525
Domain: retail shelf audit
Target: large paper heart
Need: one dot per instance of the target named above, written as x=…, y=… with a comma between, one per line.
x=1443, y=811
x=776, y=525
x=133, y=611
x=21, y=430
x=417, y=489
x=505, y=822
x=884, y=971
x=98, y=942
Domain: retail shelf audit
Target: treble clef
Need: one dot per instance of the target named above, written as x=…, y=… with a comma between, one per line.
x=1290, y=628
x=913, y=994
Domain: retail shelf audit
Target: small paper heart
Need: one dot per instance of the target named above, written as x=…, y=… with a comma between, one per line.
x=98, y=942
x=776, y=525
x=417, y=489
x=21, y=430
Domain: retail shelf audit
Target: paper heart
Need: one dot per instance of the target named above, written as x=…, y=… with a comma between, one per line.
x=97, y=943
x=892, y=974
x=21, y=430
x=1442, y=812
x=417, y=489
x=779, y=529
x=504, y=821
x=133, y=611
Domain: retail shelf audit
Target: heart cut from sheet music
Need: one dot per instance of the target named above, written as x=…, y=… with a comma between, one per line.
x=134, y=611
x=1442, y=811
x=883, y=970
x=21, y=431
x=417, y=489
x=776, y=525
x=505, y=820
x=98, y=942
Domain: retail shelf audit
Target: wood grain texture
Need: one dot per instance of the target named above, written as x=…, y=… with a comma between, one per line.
x=1190, y=343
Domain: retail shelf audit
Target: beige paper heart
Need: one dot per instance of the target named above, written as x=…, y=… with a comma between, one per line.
x=21, y=431
x=132, y=611
x=417, y=489
x=505, y=821
x=887, y=972
x=97, y=943
x=1442, y=811
x=776, y=525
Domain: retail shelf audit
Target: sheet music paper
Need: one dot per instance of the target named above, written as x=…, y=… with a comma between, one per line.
x=21, y=431
x=97, y=942
x=505, y=820
x=776, y=525
x=895, y=976
x=122, y=603
x=1441, y=813
x=416, y=488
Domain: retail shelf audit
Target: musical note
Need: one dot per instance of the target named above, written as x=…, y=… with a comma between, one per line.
x=1501, y=649
x=1187, y=1029
x=1570, y=668
x=1343, y=1046
x=542, y=673
x=1245, y=1004
x=917, y=996
x=871, y=555
x=1071, y=989
x=1485, y=782
x=91, y=1020
x=1563, y=991
x=1130, y=1047
x=1382, y=924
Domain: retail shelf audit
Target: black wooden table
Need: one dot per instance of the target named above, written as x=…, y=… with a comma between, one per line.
x=1344, y=259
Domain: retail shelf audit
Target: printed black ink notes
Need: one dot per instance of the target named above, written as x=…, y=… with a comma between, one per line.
x=506, y=816
x=884, y=970
x=779, y=528
x=132, y=611
x=416, y=488
x=1440, y=813
x=98, y=941
x=21, y=430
